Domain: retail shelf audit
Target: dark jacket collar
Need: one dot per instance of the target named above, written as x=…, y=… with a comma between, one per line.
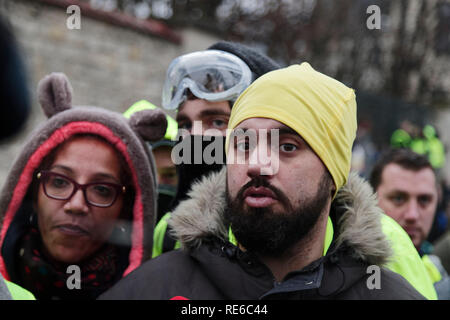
x=357, y=218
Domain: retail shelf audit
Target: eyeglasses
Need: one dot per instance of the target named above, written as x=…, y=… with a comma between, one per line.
x=213, y=75
x=98, y=194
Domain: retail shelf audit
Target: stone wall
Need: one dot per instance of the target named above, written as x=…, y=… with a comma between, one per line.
x=108, y=65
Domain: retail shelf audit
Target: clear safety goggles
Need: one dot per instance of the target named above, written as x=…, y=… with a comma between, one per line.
x=212, y=75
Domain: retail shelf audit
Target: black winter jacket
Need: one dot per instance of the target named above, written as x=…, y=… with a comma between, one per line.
x=210, y=267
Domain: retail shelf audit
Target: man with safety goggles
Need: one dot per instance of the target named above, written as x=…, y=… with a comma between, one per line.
x=195, y=105
x=202, y=86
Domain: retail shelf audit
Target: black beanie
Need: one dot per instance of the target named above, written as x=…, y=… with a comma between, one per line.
x=256, y=61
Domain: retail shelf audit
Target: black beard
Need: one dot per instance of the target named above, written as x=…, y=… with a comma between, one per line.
x=267, y=233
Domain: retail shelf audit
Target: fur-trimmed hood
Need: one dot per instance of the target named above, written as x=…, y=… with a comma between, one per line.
x=357, y=224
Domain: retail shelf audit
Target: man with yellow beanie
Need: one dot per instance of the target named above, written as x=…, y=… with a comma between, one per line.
x=302, y=228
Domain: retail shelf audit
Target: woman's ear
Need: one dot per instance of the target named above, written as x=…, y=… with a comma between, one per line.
x=151, y=125
x=55, y=94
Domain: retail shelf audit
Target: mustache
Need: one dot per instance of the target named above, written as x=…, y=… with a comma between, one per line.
x=260, y=181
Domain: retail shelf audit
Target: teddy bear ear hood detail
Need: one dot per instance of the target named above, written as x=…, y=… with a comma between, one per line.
x=55, y=94
x=150, y=124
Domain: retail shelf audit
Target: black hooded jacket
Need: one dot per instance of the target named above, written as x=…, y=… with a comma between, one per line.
x=210, y=267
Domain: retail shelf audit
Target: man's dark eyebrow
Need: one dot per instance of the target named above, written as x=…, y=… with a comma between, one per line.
x=281, y=130
x=397, y=192
x=214, y=112
x=287, y=130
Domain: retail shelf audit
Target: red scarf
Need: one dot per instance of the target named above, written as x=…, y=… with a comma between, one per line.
x=48, y=280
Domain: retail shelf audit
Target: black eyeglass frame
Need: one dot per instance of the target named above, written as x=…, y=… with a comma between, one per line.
x=44, y=175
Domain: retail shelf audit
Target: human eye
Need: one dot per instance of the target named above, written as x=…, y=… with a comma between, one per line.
x=219, y=123
x=187, y=125
x=424, y=200
x=242, y=144
x=102, y=190
x=288, y=147
x=398, y=199
x=59, y=182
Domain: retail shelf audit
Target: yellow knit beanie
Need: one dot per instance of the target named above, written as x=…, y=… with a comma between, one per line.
x=320, y=109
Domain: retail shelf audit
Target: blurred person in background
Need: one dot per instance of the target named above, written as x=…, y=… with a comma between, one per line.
x=426, y=141
x=422, y=141
x=441, y=248
x=15, y=102
x=162, y=152
x=202, y=86
x=15, y=107
x=80, y=194
x=364, y=152
x=407, y=191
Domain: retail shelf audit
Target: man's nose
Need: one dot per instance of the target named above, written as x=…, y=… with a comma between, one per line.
x=197, y=128
x=412, y=212
x=261, y=161
x=77, y=203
